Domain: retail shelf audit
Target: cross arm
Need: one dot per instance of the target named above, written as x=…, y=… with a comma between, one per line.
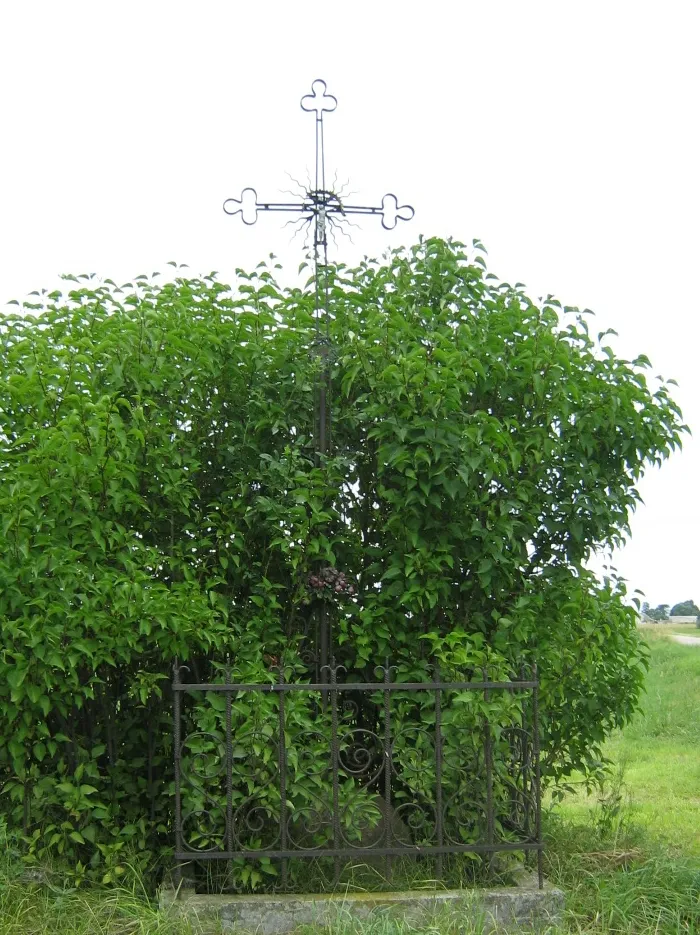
x=390, y=211
x=318, y=203
x=248, y=206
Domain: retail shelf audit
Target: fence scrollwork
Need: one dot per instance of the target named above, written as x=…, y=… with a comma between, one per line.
x=342, y=771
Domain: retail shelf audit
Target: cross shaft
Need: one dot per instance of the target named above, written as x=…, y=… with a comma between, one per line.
x=320, y=207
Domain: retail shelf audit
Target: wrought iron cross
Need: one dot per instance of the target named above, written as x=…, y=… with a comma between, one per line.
x=320, y=208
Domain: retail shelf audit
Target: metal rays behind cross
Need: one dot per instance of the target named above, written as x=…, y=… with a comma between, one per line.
x=319, y=207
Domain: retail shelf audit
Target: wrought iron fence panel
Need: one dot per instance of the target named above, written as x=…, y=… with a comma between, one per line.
x=271, y=772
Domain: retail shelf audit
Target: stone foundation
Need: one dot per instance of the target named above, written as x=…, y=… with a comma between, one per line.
x=500, y=909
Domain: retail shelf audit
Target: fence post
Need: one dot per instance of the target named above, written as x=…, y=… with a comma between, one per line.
x=387, y=767
x=335, y=753
x=176, y=756
x=438, y=767
x=536, y=753
x=488, y=757
x=229, y=764
x=283, y=777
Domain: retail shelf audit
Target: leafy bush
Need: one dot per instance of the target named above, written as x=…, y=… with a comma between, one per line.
x=160, y=497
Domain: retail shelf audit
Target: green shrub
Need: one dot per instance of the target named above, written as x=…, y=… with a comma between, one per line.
x=160, y=497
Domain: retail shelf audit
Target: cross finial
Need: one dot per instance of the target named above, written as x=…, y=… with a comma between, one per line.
x=318, y=100
x=247, y=206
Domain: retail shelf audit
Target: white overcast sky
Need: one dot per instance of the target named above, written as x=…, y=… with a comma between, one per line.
x=564, y=135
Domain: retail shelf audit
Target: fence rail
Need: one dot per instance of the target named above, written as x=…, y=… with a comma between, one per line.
x=280, y=772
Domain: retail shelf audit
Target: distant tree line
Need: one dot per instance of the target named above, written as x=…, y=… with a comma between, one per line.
x=661, y=611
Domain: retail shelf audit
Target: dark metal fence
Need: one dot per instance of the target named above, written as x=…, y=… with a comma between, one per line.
x=272, y=775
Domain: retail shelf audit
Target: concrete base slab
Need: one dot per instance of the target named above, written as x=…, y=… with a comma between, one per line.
x=501, y=909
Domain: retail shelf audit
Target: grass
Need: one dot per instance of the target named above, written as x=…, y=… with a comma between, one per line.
x=660, y=751
x=688, y=629
x=621, y=882
x=38, y=910
x=442, y=923
x=627, y=858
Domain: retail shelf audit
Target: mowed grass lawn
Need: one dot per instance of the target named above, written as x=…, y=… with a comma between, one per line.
x=658, y=755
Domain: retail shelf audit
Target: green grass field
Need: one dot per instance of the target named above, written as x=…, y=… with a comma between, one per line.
x=659, y=754
x=661, y=749
x=627, y=858
x=689, y=629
